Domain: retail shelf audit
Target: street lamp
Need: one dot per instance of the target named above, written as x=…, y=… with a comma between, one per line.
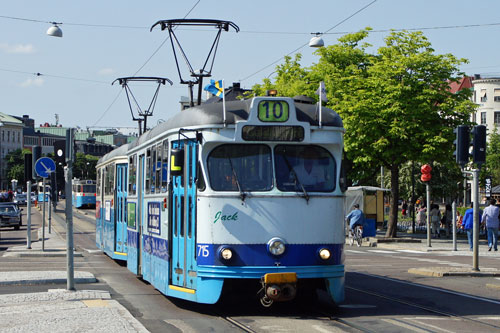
x=54, y=30
x=316, y=41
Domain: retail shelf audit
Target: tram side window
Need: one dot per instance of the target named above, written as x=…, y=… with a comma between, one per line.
x=158, y=168
x=164, y=167
x=148, y=170
x=108, y=181
x=98, y=184
x=311, y=167
x=232, y=167
x=131, y=176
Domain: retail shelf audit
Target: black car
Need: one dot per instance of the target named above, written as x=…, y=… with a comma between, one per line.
x=10, y=215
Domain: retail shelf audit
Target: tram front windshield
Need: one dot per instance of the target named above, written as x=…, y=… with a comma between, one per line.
x=309, y=168
x=299, y=168
x=240, y=168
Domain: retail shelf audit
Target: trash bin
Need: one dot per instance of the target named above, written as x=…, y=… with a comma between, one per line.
x=369, y=228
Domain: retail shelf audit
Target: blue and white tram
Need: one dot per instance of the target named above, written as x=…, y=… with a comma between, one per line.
x=111, y=213
x=40, y=197
x=83, y=193
x=253, y=196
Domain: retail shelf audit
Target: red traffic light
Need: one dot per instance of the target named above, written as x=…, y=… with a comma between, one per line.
x=426, y=173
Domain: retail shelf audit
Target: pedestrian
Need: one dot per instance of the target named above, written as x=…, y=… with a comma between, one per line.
x=435, y=215
x=468, y=224
x=490, y=218
x=447, y=219
x=422, y=216
x=404, y=208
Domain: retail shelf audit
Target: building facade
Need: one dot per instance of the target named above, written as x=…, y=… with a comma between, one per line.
x=11, y=139
x=487, y=97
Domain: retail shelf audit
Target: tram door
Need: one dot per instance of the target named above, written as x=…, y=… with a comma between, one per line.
x=183, y=217
x=140, y=219
x=120, y=206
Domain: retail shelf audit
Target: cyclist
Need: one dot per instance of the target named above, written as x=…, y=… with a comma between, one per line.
x=355, y=217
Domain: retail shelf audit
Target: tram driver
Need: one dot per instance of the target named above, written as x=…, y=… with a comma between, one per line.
x=309, y=172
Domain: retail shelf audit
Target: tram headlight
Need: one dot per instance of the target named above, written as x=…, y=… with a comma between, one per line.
x=225, y=253
x=276, y=246
x=324, y=254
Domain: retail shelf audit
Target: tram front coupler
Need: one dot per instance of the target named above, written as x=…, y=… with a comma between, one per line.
x=277, y=287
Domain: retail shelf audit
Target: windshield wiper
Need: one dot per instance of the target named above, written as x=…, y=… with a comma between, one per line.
x=290, y=169
x=243, y=195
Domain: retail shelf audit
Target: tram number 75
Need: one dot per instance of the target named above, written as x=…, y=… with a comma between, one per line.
x=203, y=251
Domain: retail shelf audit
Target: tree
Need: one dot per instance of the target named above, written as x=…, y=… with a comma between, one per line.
x=84, y=166
x=396, y=104
x=15, y=165
x=492, y=167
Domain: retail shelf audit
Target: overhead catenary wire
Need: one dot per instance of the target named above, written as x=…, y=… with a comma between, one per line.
x=144, y=64
x=307, y=43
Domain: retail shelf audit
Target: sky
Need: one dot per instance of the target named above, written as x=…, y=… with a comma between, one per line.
x=77, y=70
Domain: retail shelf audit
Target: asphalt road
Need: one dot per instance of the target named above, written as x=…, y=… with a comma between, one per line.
x=381, y=296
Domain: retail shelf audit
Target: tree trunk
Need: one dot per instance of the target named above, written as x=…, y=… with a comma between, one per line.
x=394, y=197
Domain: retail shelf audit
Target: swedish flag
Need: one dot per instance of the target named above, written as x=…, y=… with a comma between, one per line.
x=216, y=88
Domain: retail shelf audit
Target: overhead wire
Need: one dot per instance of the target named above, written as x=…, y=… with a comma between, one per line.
x=144, y=64
x=303, y=45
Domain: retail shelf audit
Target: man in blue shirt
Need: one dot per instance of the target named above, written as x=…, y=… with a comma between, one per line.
x=355, y=217
x=468, y=224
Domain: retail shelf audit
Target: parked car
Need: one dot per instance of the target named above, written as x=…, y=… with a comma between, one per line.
x=10, y=215
x=20, y=199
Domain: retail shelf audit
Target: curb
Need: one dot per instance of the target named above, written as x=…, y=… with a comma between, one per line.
x=440, y=272
x=43, y=277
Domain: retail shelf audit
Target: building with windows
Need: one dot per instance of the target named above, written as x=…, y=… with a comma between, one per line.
x=487, y=97
x=11, y=139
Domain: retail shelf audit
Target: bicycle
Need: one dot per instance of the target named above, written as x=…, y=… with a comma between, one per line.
x=356, y=236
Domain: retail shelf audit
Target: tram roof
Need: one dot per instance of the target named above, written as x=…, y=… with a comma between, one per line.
x=212, y=113
x=120, y=151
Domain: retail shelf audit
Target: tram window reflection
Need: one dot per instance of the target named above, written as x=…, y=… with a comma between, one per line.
x=311, y=167
x=233, y=167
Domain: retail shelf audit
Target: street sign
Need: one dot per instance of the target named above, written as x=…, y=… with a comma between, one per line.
x=44, y=166
x=487, y=187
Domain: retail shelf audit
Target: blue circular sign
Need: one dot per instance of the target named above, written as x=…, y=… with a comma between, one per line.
x=44, y=166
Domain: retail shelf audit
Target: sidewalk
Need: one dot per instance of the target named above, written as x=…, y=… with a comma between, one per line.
x=417, y=242
x=58, y=310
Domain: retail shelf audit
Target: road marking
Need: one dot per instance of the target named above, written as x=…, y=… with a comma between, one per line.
x=420, y=322
x=354, y=251
x=488, y=318
x=433, y=288
x=382, y=251
x=412, y=251
x=405, y=326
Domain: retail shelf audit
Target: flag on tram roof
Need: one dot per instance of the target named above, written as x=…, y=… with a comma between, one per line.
x=216, y=88
x=322, y=92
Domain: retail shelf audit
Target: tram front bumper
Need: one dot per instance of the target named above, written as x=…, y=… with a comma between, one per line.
x=279, y=286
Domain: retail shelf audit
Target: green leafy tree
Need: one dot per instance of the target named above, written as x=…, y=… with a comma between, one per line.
x=396, y=104
x=492, y=167
x=15, y=165
x=84, y=166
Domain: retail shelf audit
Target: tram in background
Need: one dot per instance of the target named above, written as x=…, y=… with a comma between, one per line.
x=111, y=213
x=250, y=194
x=83, y=193
x=39, y=189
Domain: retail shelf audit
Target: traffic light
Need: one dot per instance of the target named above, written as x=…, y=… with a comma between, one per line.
x=28, y=167
x=426, y=173
x=479, y=144
x=462, y=145
x=37, y=153
x=60, y=152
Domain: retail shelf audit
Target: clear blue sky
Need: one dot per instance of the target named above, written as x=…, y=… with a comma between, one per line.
x=104, y=54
